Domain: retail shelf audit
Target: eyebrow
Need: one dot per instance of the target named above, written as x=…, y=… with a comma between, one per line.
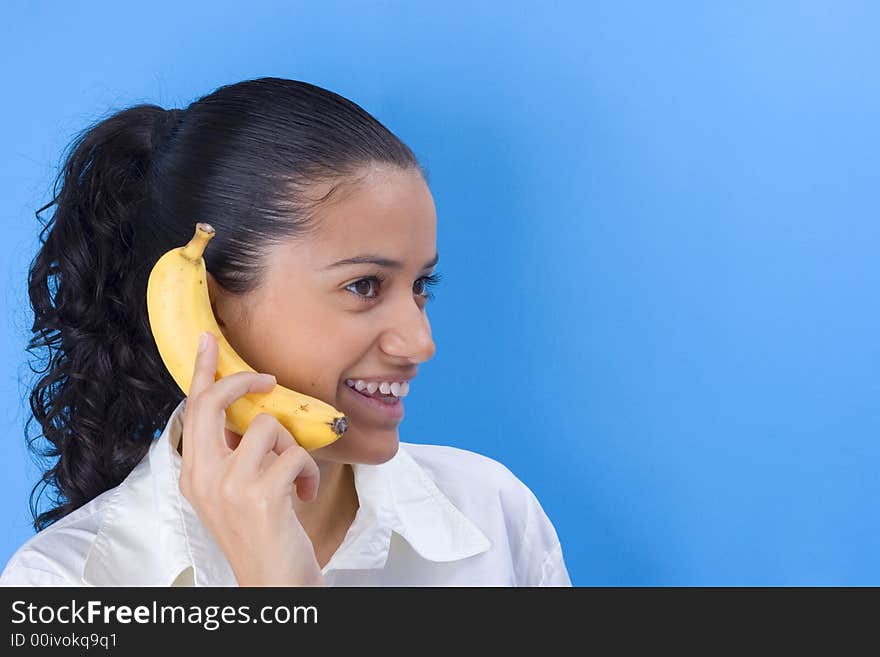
x=372, y=259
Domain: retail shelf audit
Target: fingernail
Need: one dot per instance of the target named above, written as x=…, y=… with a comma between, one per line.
x=270, y=378
x=203, y=342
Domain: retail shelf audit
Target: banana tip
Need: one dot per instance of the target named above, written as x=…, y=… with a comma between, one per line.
x=194, y=249
x=339, y=425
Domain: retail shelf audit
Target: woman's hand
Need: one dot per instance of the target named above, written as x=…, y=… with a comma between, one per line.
x=242, y=486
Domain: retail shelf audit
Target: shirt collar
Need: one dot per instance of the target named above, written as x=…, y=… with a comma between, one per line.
x=151, y=535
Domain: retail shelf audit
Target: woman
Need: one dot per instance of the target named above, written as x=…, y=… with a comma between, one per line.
x=319, y=274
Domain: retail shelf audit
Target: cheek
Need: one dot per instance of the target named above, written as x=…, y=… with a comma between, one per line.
x=319, y=366
x=313, y=356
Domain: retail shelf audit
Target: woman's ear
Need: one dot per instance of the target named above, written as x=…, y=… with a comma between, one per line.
x=215, y=294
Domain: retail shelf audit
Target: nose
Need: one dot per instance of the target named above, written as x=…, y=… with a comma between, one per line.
x=408, y=335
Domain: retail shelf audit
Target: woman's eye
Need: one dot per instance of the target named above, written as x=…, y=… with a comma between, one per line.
x=362, y=287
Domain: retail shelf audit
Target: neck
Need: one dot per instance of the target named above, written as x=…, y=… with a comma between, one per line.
x=327, y=518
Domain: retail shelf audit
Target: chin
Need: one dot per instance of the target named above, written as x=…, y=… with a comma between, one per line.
x=373, y=451
x=381, y=454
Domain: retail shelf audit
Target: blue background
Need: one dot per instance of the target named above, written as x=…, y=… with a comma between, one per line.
x=658, y=230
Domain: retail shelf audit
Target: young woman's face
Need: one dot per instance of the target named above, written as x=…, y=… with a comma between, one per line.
x=314, y=324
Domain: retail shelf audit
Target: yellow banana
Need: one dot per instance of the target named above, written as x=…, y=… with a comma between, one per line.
x=179, y=309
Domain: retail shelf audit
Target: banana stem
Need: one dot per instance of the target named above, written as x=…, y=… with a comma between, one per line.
x=196, y=246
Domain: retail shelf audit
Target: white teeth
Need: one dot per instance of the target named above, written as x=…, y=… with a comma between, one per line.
x=396, y=388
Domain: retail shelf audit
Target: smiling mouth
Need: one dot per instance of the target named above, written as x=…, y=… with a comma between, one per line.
x=390, y=398
x=373, y=411
x=386, y=399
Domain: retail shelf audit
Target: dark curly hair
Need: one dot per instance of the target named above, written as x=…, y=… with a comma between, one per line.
x=132, y=186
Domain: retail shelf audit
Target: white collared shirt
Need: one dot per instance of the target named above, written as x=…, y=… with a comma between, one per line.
x=430, y=516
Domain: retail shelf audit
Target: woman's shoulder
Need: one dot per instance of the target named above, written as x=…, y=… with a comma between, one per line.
x=55, y=556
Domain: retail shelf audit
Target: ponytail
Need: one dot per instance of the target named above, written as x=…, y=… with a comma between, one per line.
x=104, y=394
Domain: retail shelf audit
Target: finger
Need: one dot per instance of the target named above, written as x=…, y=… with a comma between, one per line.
x=205, y=419
x=205, y=366
x=204, y=370
x=294, y=465
x=268, y=459
x=265, y=436
x=205, y=424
